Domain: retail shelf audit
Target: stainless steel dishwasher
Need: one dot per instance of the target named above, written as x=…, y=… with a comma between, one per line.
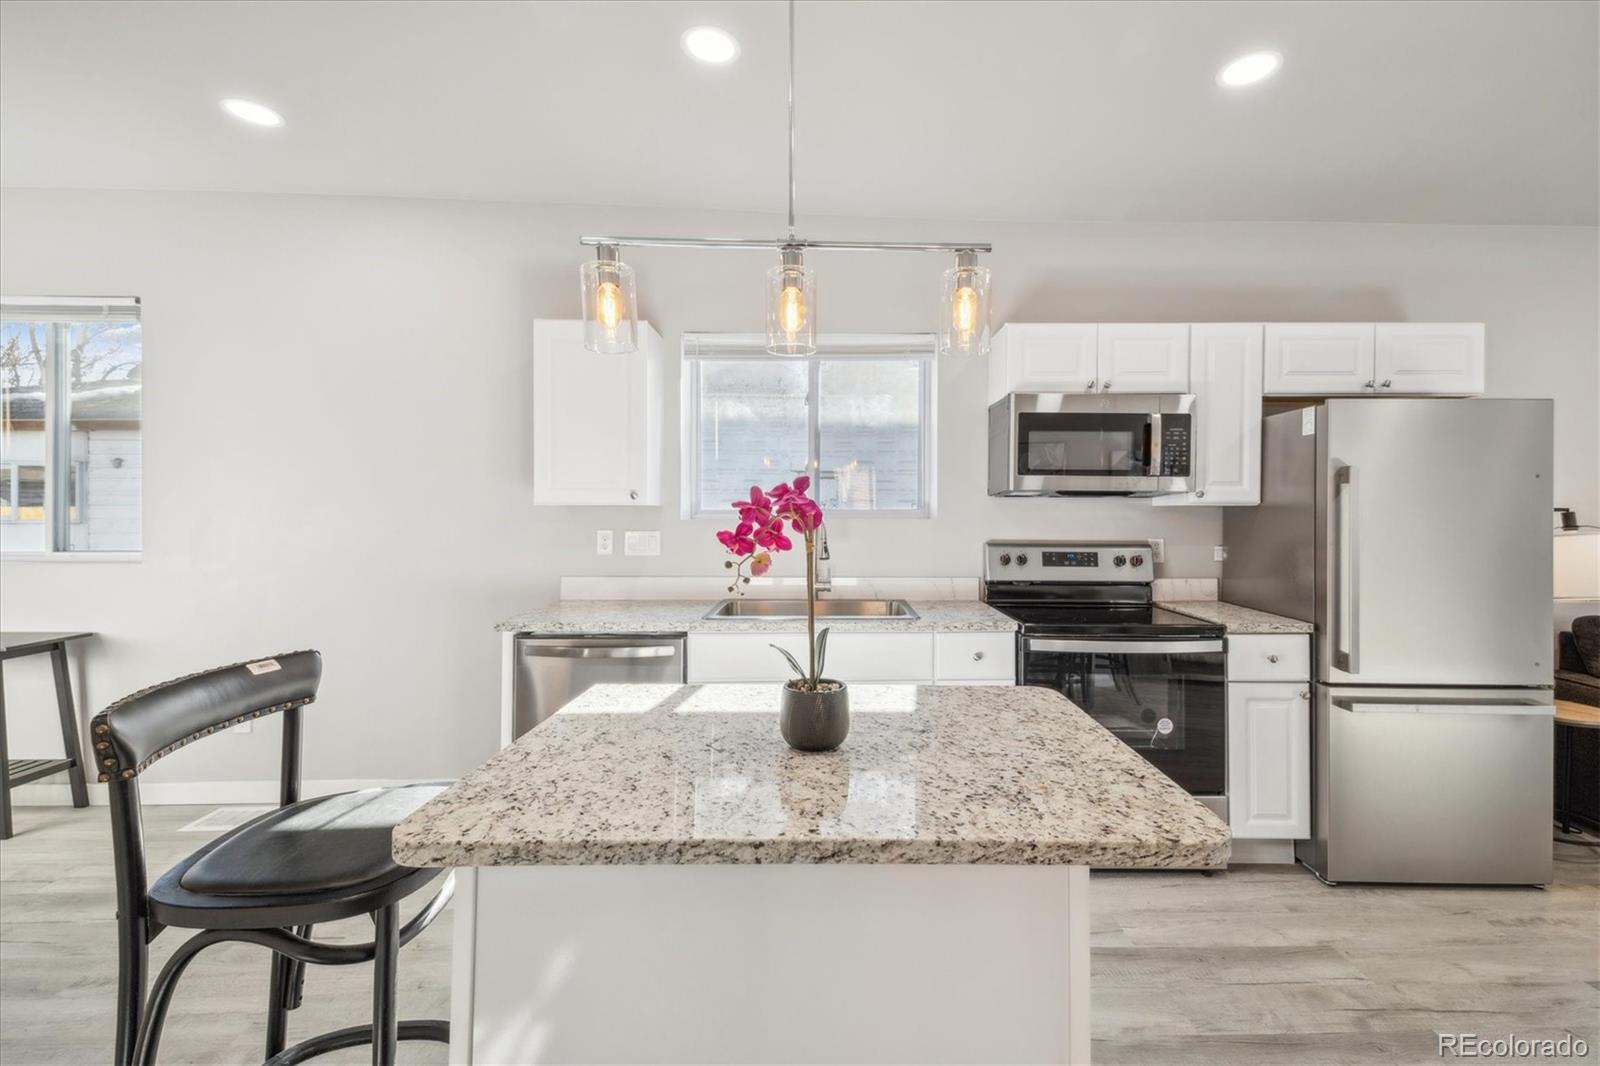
x=553, y=670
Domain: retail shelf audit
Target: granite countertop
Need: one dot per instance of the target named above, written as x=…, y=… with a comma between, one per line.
x=1238, y=620
x=650, y=774
x=688, y=616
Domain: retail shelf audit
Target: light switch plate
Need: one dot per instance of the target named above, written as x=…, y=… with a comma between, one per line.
x=1158, y=550
x=1219, y=553
x=641, y=542
x=602, y=542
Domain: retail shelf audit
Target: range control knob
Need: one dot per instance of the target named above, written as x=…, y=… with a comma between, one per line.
x=1121, y=560
x=1137, y=560
x=1022, y=558
x=1005, y=558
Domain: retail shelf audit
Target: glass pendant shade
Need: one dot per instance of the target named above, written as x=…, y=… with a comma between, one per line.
x=791, y=307
x=610, y=322
x=964, y=308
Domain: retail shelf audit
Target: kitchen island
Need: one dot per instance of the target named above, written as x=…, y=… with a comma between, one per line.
x=651, y=875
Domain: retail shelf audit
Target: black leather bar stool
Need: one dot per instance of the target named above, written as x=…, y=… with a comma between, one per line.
x=268, y=881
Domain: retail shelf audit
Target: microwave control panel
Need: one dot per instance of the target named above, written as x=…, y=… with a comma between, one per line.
x=1175, y=439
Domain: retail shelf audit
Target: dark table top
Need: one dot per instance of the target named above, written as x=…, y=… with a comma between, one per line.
x=19, y=643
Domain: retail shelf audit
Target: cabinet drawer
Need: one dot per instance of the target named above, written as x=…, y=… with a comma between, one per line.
x=1269, y=657
x=742, y=656
x=879, y=657
x=975, y=657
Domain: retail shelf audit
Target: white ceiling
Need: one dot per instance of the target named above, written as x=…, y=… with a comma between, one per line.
x=1400, y=111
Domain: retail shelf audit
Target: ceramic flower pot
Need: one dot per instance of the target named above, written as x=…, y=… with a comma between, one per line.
x=815, y=721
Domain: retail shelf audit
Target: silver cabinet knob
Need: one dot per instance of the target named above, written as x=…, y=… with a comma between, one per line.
x=1370, y=385
x=1387, y=383
x=977, y=656
x=1089, y=387
x=633, y=495
x=1199, y=494
x=1104, y=385
x=1305, y=694
x=1272, y=658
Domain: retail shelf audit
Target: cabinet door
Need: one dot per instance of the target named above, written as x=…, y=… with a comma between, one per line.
x=596, y=419
x=1319, y=358
x=904, y=657
x=1269, y=760
x=1439, y=358
x=1225, y=377
x=1042, y=357
x=1143, y=358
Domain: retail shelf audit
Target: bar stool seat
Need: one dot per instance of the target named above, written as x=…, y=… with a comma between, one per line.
x=315, y=861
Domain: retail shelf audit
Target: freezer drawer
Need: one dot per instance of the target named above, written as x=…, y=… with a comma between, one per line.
x=1448, y=786
x=552, y=671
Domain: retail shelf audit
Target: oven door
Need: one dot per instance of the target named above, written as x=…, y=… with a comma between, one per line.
x=1166, y=699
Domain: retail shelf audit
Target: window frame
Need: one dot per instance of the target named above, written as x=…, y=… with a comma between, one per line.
x=700, y=348
x=61, y=313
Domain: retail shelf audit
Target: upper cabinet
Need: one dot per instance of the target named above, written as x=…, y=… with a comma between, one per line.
x=596, y=419
x=1143, y=358
x=1429, y=357
x=1225, y=376
x=1042, y=357
x=1366, y=359
x=1318, y=358
x=1086, y=357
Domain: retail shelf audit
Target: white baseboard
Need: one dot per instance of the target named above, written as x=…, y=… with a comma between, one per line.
x=199, y=793
x=1271, y=852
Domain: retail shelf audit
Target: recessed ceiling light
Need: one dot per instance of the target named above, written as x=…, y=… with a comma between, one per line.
x=711, y=45
x=1249, y=69
x=252, y=112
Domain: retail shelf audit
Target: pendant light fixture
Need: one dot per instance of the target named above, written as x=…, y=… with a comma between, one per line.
x=791, y=313
x=610, y=323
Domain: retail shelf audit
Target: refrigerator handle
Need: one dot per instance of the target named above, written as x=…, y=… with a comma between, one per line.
x=1346, y=595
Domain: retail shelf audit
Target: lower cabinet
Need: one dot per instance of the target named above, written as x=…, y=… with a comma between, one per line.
x=1269, y=759
x=899, y=658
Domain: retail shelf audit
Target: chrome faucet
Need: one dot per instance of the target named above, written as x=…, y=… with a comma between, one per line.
x=824, y=574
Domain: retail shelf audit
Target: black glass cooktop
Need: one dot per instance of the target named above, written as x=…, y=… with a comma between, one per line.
x=1105, y=620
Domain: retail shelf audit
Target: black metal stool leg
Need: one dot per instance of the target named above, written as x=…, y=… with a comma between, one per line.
x=279, y=987
x=5, y=765
x=385, y=1027
x=133, y=968
x=1568, y=735
x=69, y=725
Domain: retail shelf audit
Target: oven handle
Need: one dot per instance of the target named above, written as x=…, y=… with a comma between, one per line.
x=1126, y=647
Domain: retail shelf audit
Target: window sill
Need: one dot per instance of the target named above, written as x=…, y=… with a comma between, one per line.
x=71, y=557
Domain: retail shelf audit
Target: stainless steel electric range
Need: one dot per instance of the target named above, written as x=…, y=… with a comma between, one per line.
x=1088, y=628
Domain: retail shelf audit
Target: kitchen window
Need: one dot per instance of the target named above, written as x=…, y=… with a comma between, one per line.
x=857, y=417
x=71, y=387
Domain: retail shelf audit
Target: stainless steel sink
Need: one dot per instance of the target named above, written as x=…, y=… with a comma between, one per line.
x=888, y=610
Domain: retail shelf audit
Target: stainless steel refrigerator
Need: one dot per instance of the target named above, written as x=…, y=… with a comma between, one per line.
x=1415, y=536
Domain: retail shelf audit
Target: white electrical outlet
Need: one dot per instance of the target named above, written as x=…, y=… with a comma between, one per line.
x=1158, y=550
x=1219, y=553
x=602, y=542
x=641, y=542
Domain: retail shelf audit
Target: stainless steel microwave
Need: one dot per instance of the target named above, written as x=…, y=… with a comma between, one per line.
x=1064, y=444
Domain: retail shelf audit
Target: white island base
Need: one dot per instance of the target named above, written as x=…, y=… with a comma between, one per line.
x=868, y=963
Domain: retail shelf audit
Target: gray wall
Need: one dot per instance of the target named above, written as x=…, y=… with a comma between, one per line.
x=336, y=448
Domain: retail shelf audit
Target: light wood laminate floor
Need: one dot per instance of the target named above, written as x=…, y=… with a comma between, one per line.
x=1262, y=964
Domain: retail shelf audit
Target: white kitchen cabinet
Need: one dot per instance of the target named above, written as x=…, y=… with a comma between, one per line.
x=975, y=658
x=1043, y=357
x=1437, y=358
x=1269, y=760
x=851, y=657
x=1143, y=357
x=596, y=419
x=1269, y=657
x=1319, y=358
x=1225, y=369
